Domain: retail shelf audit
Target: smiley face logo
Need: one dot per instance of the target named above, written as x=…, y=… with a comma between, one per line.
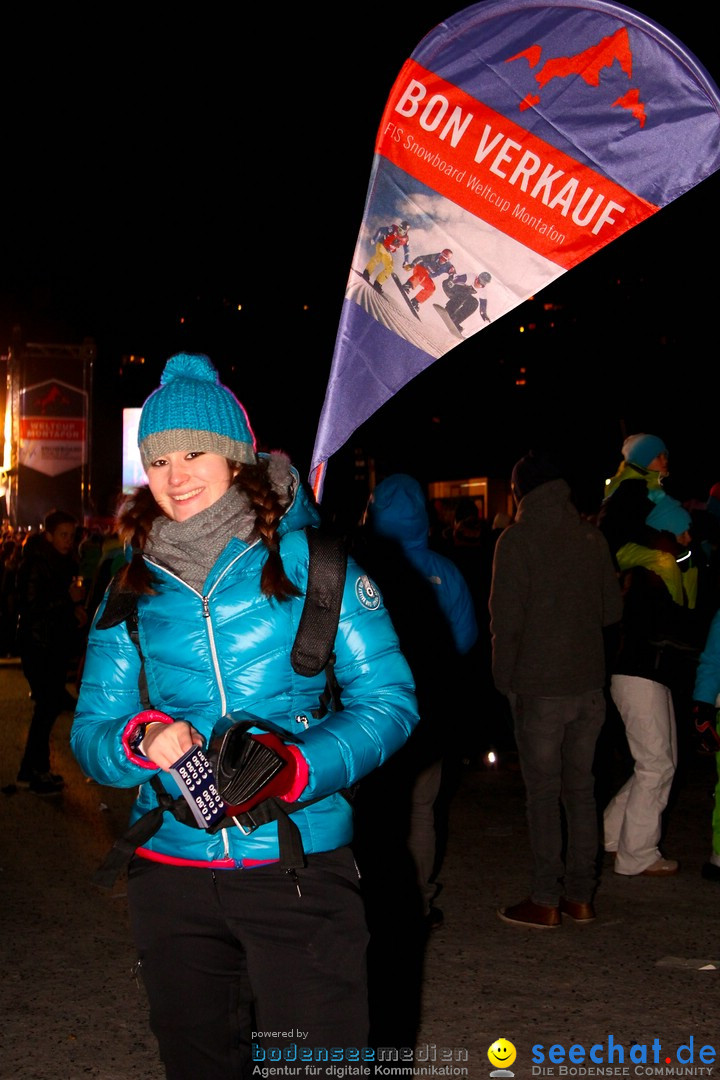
x=502, y=1053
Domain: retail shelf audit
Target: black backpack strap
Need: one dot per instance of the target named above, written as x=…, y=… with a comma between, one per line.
x=330, y=699
x=315, y=638
x=140, y=832
x=131, y=623
x=120, y=604
x=292, y=855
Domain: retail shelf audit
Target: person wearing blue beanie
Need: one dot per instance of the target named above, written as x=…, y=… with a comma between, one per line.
x=633, y=495
x=643, y=449
x=192, y=404
x=649, y=534
x=247, y=913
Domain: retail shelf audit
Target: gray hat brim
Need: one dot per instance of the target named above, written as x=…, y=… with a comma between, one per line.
x=161, y=443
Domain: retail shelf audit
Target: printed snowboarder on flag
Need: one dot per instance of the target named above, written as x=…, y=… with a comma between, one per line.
x=462, y=301
x=424, y=268
x=387, y=240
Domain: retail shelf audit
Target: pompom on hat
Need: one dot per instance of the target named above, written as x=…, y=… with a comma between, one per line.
x=642, y=449
x=192, y=410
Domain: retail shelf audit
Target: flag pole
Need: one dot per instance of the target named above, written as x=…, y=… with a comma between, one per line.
x=318, y=480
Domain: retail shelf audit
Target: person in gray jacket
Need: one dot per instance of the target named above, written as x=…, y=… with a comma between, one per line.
x=554, y=590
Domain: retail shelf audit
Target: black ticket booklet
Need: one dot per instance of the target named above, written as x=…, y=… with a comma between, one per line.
x=245, y=765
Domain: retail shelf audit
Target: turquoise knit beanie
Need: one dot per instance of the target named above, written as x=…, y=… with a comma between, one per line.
x=192, y=410
x=642, y=449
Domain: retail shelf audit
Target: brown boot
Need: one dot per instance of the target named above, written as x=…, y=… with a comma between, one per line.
x=527, y=913
x=578, y=910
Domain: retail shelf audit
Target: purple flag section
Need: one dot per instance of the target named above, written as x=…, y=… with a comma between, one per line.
x=519, y=138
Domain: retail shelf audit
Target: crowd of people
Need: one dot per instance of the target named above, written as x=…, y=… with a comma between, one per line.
x=591, y=616
x=325, y=793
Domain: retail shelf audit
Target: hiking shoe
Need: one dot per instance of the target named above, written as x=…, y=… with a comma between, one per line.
x=434, y=919
x=579, y=911
x=710, y=871
x=44, y=784
x=25, y=777
x=526, y=913
x=661, y=868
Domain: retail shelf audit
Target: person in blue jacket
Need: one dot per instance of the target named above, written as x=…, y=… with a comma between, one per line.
x=433, y=612
x=240, y=954
x=706, y=697
x=407, y=799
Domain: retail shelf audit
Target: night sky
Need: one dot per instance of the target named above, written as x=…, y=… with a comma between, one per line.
x=162, y=167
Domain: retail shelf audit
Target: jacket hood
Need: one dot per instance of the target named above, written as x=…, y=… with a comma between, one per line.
x=549, y=500
x=398, y=510
x=301, y=510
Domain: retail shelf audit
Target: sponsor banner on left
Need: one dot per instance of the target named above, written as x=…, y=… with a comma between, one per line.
x=53, y=427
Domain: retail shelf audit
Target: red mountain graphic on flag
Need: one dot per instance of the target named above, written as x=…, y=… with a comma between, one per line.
x=588, y=64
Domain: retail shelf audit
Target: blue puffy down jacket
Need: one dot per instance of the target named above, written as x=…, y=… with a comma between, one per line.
x=228, y=651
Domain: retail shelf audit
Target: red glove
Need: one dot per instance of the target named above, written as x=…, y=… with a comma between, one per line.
x=240, y=767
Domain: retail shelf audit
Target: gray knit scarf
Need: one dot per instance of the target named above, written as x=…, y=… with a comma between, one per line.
x=191, y=548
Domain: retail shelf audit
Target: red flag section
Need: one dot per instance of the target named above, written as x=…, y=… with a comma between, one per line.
x=499, y=172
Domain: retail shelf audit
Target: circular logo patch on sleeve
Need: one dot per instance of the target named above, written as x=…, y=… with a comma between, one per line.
x=368, y=595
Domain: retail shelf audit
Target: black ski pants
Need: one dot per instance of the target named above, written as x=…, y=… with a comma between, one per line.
x=239, y=963
x=46, y=671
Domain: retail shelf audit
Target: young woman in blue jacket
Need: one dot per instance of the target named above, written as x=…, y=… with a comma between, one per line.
x=240, y=955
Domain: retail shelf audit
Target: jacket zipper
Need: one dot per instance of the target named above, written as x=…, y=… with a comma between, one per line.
x=206, y=613
x=211, y=639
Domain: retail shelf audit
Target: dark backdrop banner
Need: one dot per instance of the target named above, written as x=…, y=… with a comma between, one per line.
x=520, y=137
x=48, y=451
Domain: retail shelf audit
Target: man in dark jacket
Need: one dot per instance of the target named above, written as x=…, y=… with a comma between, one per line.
x=554, y=590
x=50, y=613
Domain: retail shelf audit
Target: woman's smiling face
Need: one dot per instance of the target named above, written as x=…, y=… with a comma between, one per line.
x=185, y=482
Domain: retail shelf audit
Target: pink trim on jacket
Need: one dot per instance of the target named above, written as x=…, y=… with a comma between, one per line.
x=301, y=775
x=147, y=716
x=208, y=864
